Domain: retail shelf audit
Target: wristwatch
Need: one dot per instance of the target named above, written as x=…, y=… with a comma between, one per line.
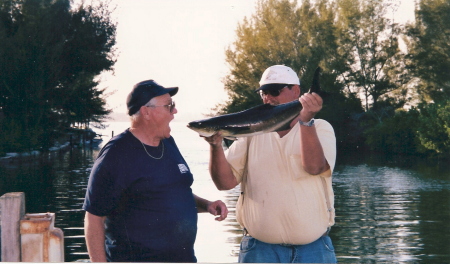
x=308, y=124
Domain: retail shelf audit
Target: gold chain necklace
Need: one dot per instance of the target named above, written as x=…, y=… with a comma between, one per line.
x=149, y=153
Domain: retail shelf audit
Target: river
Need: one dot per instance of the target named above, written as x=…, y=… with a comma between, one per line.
x=388, y=209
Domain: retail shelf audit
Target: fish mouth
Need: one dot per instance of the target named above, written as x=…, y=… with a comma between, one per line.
x=196, y=126
x=192, y=124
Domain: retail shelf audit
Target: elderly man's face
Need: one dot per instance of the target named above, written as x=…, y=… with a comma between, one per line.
x=160, y=111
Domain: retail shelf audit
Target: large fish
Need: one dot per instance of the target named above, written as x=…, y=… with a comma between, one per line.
x=257, y=120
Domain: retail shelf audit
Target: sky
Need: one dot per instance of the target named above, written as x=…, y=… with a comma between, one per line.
x=181, y=43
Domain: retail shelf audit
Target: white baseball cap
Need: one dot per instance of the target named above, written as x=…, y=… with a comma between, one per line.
x=278, y=76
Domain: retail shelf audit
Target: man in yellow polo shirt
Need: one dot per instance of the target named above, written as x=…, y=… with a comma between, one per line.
x=287, y=203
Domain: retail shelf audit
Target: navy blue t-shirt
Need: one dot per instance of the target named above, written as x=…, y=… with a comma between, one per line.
x=151, y=211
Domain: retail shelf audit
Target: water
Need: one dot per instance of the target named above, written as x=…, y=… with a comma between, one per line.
x=387, y=209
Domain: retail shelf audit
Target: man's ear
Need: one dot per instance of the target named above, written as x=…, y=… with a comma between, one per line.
x=296, y=88
x=145, y=111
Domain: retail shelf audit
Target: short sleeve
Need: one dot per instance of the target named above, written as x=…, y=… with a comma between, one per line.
x=237, y=157
x=102, y=193
x=327, y=139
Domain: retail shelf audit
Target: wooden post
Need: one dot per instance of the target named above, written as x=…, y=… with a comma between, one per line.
x=12, y=209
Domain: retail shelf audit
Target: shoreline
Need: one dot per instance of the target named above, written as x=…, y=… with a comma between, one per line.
x=28, y=155
x=75, y=138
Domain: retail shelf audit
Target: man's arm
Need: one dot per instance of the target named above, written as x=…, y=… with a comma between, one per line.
x=313, y=157
x=94, y=231
x=214, y=208
x=219, y=167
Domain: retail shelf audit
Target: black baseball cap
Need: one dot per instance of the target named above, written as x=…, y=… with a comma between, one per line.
x=143, y=92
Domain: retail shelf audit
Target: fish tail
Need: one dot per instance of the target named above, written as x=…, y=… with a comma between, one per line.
x=315, y=86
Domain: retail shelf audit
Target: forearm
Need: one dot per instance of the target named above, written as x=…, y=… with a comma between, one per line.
x=95, y=237
x=313, y=157
x=216, y=208
x=220, y=169
x=201, y=203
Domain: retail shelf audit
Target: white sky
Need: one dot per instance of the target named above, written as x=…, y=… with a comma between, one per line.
x=181, y=43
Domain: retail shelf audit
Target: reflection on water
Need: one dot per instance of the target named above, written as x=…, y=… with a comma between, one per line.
x=55, y=185
x=387, y=210
x=392, y=214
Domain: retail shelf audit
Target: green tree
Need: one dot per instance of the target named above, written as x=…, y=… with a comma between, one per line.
x=270, y=37
x=434, y=127
x=49, y=55
x=86, y=104
x=429, y=61
x=369, y=42
x=301, y=37
x=282, y=33
x=429, y=51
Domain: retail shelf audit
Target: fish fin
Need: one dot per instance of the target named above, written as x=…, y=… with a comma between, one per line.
x=315, y=86
x=228, y=142
x=231, y=138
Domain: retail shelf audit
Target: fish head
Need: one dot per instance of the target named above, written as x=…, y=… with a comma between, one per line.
x=202, y=127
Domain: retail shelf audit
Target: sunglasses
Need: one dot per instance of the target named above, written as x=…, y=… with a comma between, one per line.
x=273, y=93
x=170, y=106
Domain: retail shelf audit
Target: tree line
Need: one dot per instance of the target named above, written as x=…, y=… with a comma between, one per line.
x=387, y=84
x=50, y=55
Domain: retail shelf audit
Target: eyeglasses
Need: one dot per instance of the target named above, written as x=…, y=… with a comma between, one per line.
x=273, y=93
x=170, y=106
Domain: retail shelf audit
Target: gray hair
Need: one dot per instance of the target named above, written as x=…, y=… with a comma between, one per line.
x=136, y=115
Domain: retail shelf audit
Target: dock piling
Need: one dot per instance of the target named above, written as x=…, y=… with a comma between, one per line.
x=12, y=207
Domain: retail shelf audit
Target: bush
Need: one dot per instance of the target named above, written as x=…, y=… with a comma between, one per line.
x=396, y=134
x=434, y=127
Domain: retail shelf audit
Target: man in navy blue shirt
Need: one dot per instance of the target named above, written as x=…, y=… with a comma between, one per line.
x=139, y=203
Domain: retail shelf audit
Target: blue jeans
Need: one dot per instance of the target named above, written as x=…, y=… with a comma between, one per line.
x=255, y=251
